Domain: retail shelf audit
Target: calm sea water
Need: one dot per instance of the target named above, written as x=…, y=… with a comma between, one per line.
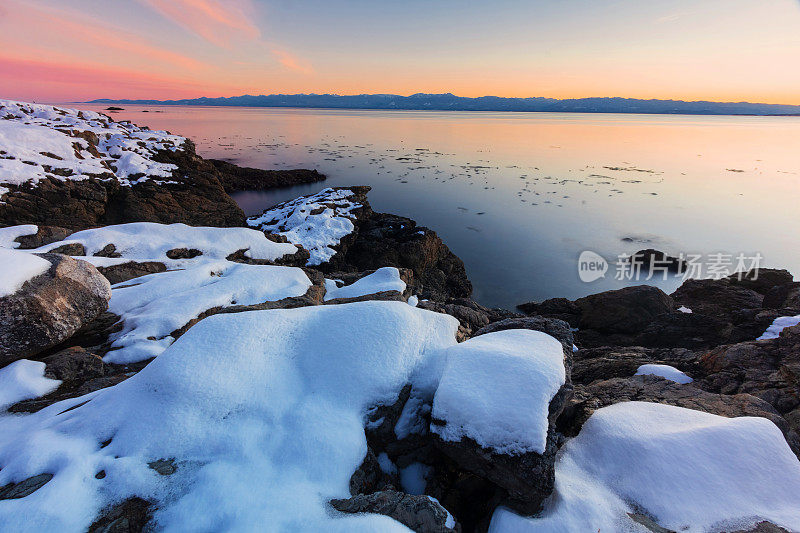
x=519, y=196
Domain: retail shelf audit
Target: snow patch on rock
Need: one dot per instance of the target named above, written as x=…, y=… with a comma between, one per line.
x=22, y=380
x=152, y=307
x=665, y=371
x=383, y=279
x=17, y=267
x=316, y=222
x=9, y=235
x=778, y=325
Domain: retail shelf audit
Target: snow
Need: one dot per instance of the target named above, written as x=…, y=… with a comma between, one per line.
x=383, y=279
x=40, y=141
x=496, y=389
x=665, y=371
x=386, y=464
x=154, y=306
x=774, y=330
x=414, y=478
x=317, y=232
x=413, y=300
x=10, y=234
x=263, y=412
x=690, y=471
x=18, y=267
x=22, y=380
x=150, y=241
x=684, y=309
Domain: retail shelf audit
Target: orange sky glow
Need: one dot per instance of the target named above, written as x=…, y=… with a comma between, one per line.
x=723, y=50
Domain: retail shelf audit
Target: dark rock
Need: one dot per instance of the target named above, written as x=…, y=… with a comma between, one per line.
x=627, y=310
x=183, y=253
x=418, y=513
x=761, y=280
x=73, y=248
x=783, y=296
x=109, y=250
x=763, y=527
x=130, y=270
x=235, y=178
x=654, y=261
x=130, y=516
x=164, y=467
x=369, y=477
x=13, y=491
x=73, y=364
x=50, y=307
x=767, y=369
x=589, y=398
x=43, y=236
x=719, y=298
x=559, y=308
x=558, y=329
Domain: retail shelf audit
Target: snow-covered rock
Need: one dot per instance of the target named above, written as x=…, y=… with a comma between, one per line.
x=665, y=371
x=496, y=389
x=22, y=380
x=9, y=235
x=154, y=307
x=687, y=470
x=149, y=241
x=316, y=222
x=40, y=141
x=262, y=413
x=383, y=279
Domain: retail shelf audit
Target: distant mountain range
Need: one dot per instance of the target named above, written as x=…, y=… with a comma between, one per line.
x=451, y=102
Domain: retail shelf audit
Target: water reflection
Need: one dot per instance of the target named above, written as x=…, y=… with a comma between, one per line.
x=519, y=196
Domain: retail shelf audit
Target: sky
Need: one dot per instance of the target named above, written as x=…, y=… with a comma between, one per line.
x=722, y=50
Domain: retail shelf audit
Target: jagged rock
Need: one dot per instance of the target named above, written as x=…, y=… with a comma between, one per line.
x=418, y=513
x=51, y=307
x=73, y=248
x=130, y=516
x=761, y=280
x=130, y=270
x=369, y=477
x=719, y=298
x=589, y=398
x=13, y=491
x=627, y=310
x=559, y=308
x=183, y=253
x=767, y=369
x=558, y=329
x=236, y=178
x=74, y=364
x=44, y=235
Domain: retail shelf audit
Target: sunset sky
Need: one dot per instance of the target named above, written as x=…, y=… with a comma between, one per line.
x=724, y=50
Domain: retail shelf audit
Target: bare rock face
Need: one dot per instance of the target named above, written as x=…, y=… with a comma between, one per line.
x=132, y=269
x=130, y=516
x=593, y=364
x=419, y=513
x=716, y=297
x=767, y=369
x=51, y=307
x=627, y=310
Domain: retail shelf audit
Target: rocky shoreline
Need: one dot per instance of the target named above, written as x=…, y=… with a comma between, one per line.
x=158, y=348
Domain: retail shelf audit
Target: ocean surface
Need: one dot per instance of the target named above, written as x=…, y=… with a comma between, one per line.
x=519, y=196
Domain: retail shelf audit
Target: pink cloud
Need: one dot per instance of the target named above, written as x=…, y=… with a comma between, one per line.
x=291, y=62
x=217, y=22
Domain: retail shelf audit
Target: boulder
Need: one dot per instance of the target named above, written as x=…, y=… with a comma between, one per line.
x=558, y=329
x=627, y=310
x=654, y=261
x=74, y=364
x=51, y=307
x=716, y=297
x=421, y=513
x=786, y=295
x=761, y=280
x=559, y=308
